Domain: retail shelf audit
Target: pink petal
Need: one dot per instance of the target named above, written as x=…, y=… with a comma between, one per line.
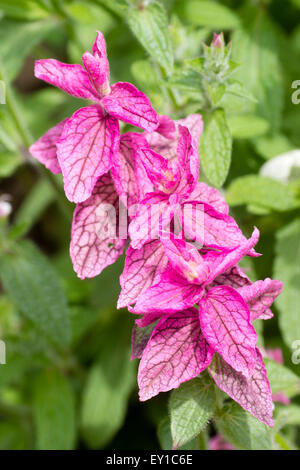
x=72, y=79
x=260, y=296
x=209, y=227
x=275, y=354
x=281, y=398
x=85, y=149
x=123, y=171
x=185, y=259
x=218, y=443
x=97, y=66
x=44, y=149
x=165, y=138
x=153, y=215
x=175, y=353
x=94, y=242
x=127, y=103
x=188, y=160
x=233, y=277
x=142, y=269
x=213, y=197
x=166, y=127
x=159, y=170
x=221, y=262
x=225, y=323
x=194, y=123
x=171, y=294
x=139, y=339
x=163, y=145
x=254, y=394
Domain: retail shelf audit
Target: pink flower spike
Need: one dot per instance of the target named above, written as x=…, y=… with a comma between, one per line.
x=44, y=149
x=72, y=79
x=175, y=353
x=85, y=150
x=260, y=296
x=225, y=323
x=127, y=103
x=254, y=394
x=142, y=269
x=94, y=242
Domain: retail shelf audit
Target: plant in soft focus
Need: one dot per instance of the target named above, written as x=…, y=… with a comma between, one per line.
x=156, y=176
x=186, y=340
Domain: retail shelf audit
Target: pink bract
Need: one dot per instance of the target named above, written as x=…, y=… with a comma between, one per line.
x=90, y=138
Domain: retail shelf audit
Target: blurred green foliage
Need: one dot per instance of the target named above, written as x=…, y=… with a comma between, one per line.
x=68, y=381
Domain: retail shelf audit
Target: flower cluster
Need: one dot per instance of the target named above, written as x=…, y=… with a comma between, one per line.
x=195, y=306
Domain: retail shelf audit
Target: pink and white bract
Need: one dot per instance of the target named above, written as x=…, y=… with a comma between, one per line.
x=195, y=305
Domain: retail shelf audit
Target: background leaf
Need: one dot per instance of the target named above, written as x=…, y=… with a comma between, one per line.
x=215, y=147
x=54, y=411
x=242, y=430
x=287, y=268
x=191, y=406
x=150, y=26
x=31, y=282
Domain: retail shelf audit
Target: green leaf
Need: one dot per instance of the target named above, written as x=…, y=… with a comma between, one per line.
x=186, y=79
x=9, y=162
x=256, y=49
x=191, y=406
x=23, y=9
x=207, y=13
x=12, y=436
x=242, y=430
x=261, y=191
x=107, y=389
x=54, y=411
x=82, y=319
x=215, y=92
x=238, y=89
x=282, y=379
x=165, y=437
x=215, y=147
x=150, y=26
x=271, y=146
x=287, y=269
x=18, y=39
x=287, y=415
x=32, y=283
x=37, y=200
x=245, y=126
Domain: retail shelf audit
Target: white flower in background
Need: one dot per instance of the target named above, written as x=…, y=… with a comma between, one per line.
x=283, y=167
x=5, y=206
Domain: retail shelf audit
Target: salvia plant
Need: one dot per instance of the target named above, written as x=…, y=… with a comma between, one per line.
x=163, y=270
